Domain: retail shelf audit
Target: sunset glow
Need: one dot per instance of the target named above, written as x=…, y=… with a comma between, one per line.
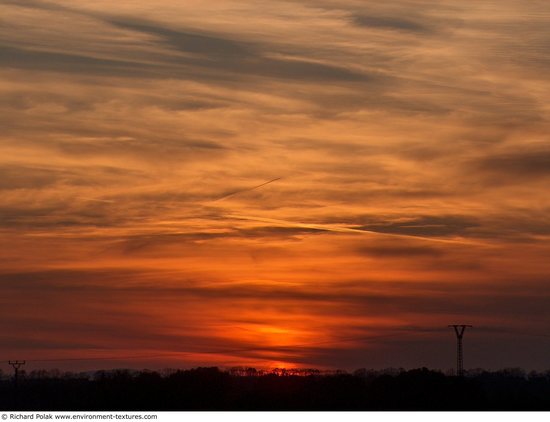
x=317, y=184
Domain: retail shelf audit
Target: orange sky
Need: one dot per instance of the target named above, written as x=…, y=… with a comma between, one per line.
x=407, y=153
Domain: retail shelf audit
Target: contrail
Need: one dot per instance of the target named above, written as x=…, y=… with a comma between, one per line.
x=95, y=199
x=245, y=190
x=340, y=229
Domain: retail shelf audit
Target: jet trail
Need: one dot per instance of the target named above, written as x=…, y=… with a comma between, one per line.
x=340, y=229
x=84, y=198
x=245, y=190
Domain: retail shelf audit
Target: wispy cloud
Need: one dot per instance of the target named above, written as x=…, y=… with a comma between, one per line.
x=306, y=168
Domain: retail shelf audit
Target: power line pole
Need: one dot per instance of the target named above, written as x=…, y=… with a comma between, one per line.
x=16, y=364
x=459, y=331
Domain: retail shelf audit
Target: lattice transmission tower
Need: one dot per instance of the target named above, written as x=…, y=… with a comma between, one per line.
x=459, y=331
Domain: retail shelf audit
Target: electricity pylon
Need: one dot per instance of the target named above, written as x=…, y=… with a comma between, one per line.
x=16, y=364
x=459, y=331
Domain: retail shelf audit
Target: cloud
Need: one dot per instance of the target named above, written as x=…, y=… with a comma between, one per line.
x=23, y=58
x=94, y=291
x=391, y=23
x=427, y=226
x=206, y=56
x=182, y=148
x=374, y=296
x=208, y=46
x=229, y=56
x=401, y=251
x=410, y=138
x=519, y=165
x=15, y=177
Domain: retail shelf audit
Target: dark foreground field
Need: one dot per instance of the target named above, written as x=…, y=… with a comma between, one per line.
x=212, y=389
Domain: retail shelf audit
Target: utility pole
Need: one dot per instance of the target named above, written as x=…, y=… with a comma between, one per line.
x=16, y=364
x=459, y=331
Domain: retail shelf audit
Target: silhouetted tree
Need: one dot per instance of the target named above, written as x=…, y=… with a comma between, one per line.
x=281, y=389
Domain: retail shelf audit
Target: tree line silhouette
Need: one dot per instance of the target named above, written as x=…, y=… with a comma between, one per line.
x=243, y=388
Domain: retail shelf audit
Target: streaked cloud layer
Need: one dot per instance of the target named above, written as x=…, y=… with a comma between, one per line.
x=320, y=183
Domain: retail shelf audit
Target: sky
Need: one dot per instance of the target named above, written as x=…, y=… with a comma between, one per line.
x=321, y=183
